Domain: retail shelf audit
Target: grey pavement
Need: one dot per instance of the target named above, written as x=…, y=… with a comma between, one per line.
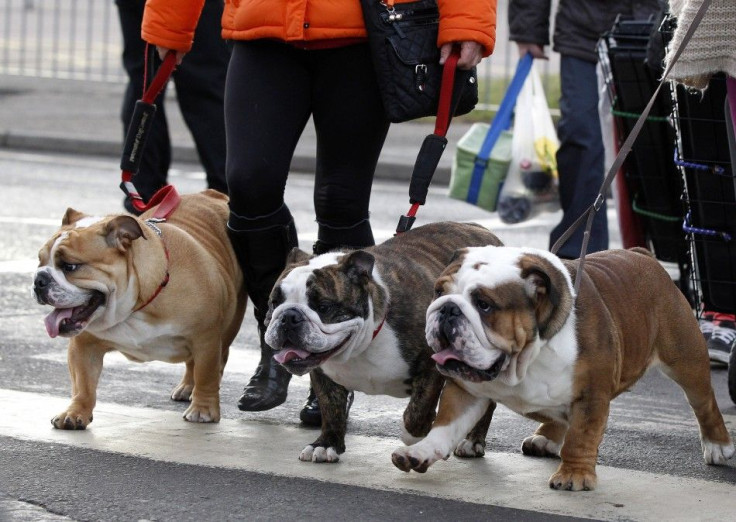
x=80, y=117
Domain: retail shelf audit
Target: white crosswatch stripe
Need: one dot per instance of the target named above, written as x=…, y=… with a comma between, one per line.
x=506, y=480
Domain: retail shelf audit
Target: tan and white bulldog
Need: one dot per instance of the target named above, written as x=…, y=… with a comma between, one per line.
x=165, y=291
x=506, y=326
x=355, y=320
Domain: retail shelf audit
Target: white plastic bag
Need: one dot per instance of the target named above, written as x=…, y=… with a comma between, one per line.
x=531, y=182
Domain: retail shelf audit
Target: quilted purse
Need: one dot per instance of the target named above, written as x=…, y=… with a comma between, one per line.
x=403, y=42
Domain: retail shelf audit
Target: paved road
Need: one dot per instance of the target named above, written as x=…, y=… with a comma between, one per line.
x=140, y=461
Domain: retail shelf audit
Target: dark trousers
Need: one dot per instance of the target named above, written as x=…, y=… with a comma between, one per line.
x=200, y=87
x=580, y=157
x=272, y=90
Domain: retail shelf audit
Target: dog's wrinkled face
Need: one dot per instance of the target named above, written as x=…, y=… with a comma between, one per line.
x=494, y=309
x=323, y=308
x=83, y=273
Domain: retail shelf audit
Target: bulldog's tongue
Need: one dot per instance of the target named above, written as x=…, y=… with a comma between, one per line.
x=54, y=319
x=288, y=354
x=444, y=356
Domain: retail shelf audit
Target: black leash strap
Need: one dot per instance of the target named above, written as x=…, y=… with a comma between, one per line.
x=589, y=214
x=433, y=145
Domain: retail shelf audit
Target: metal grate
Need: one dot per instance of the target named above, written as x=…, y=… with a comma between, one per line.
x=81, y=40
x=66, y=39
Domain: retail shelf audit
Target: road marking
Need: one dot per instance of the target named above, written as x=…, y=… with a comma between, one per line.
x=505, y=480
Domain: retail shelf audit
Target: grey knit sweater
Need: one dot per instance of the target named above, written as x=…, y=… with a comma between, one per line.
x=713, y=45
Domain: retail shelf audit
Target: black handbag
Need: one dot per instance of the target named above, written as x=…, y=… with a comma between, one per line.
x=403, y=42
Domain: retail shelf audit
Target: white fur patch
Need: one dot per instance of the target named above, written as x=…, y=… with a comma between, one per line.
x=714, y=453
x=543, y=444
x=468, y=450
x=319, y=454
x=377, y=368
x=491, y=266
x=294, y=285
x=442, y=440
x=87, y=221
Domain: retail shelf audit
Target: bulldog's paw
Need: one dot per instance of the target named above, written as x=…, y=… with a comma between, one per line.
x=540, y=446
x=72, y=420
x=319, y=454
x=199, y=413
x=470, y=450
x=183, y=392
x=571, y=478
x=715, y=453
x=416, y=458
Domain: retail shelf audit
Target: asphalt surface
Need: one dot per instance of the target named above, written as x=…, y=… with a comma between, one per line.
x=140, y=461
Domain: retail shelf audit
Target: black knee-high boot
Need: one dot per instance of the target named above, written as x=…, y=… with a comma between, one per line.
x=262, y=257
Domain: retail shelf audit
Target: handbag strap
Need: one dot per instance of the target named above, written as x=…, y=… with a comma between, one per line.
x=500, y=123
x=587, y=216
x=433, y=145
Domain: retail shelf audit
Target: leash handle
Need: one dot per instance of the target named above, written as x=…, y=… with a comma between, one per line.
x=140, y=126
x=433, y=145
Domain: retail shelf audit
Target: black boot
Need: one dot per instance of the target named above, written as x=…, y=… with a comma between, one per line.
x=262, y=256
x=269, y=384
x=311, y=414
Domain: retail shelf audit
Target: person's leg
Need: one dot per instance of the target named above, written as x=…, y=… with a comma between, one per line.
x=267, y=106
x=351, y=129
x=200, y=91
x=154, y=166
x=580, y=156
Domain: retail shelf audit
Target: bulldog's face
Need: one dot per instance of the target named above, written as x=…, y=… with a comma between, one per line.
x=83, y=272
x=322, y=308
x=494, y=309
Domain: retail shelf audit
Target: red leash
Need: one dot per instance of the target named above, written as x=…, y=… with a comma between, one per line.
x=167, y=198
x=433, y=145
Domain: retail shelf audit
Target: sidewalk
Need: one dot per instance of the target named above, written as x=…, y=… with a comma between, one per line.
x=78, y=117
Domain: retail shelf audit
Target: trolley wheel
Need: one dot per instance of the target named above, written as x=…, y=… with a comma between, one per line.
x=732, y=375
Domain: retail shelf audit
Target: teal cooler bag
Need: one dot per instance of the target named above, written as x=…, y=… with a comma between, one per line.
x=495, y=170
x=483, y=158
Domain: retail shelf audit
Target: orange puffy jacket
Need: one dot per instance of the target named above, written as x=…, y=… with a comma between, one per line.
x=171, y=23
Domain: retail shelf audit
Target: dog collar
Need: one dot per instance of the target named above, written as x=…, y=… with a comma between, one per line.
x=152, y=225
x=378, y=329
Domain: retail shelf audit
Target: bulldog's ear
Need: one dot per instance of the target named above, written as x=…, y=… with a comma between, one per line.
x=297, y=255
x=358, y=266
x=121, y=231
x=71, y=216
x=549, y=290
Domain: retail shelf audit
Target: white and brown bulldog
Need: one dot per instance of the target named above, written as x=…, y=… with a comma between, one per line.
x=165, y=291
x=355, y=320
x=506, y=326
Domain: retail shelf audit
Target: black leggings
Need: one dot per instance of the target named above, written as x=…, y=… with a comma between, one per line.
x=272, y=89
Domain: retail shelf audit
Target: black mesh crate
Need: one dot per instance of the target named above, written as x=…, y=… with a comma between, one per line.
x=652, y=179
x=704, y=158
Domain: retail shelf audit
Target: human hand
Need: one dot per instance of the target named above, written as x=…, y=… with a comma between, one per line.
x=471, y=53
x=536, y=50
x=163, y=51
